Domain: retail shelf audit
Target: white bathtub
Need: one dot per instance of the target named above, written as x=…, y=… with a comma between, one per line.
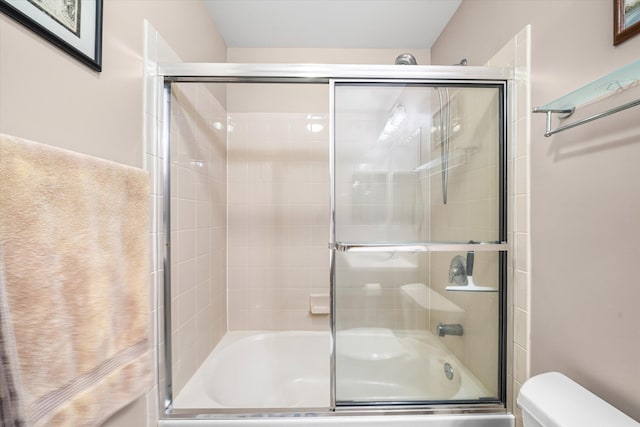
x=291, y=370
x=262, y=370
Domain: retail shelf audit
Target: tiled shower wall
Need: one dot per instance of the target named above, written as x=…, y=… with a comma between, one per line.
x=198, y=224
x=278, y=224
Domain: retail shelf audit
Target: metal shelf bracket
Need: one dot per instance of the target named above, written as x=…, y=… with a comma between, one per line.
x=562, y=113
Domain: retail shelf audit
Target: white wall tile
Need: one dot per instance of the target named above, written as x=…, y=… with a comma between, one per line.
x=520, y=325
x=274, y=231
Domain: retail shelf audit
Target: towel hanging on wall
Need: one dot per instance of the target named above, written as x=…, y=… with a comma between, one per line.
x=75, y=259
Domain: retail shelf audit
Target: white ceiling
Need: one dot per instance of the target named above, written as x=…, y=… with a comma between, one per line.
x=346, y=24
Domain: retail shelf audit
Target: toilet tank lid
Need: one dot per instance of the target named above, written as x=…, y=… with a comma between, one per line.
x=554, y=400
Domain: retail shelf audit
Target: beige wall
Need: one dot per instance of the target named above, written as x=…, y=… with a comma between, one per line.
x=583, y=212
x=48, y=96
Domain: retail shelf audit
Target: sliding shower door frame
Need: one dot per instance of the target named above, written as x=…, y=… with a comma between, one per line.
x=500, y=246
x=326, y=75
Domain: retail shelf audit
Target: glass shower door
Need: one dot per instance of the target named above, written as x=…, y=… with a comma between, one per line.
x=419, y=242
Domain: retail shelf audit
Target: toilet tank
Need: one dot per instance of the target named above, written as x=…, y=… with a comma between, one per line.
x=553, y=400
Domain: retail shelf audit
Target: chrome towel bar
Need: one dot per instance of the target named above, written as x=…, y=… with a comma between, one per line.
x=548, y=132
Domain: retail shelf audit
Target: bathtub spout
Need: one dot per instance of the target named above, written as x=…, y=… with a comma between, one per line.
x=452, y=329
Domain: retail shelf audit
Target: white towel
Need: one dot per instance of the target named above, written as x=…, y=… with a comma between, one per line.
x=74, y=251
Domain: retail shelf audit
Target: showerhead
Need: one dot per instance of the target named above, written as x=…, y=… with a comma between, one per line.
x=406, y=59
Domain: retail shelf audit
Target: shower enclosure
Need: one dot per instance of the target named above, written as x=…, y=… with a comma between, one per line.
x=346, y=228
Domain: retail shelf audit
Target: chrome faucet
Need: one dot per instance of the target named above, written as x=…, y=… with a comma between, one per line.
x=451, y=329
x=460, y=269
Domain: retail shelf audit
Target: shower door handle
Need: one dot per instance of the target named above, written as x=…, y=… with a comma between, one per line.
x=420, y=247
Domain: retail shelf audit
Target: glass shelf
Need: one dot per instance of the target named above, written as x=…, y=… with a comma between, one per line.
x=618, y=80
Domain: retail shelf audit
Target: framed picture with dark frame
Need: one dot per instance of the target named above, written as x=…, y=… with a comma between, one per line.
x=626, y=19
x=74, y=26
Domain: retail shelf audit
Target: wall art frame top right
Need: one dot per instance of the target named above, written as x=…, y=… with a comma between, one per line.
x=626, y=20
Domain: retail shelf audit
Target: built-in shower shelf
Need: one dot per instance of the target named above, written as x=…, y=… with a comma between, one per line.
x=471, y=287
x=612, y=83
